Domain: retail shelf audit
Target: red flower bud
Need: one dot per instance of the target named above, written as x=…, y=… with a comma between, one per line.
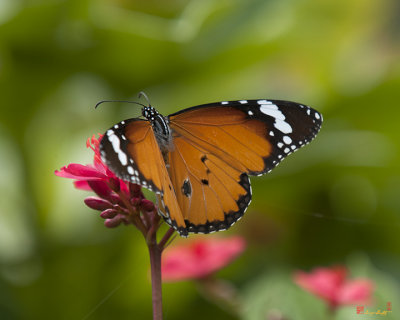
x=97, y=203
x=115, y=199
x=136, y=202
x=147, y=205
x=135, y=190
x=109, y=214
x=114, y=222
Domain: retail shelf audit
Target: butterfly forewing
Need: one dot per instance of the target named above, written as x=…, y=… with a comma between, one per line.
x=131, y=151
x=253, y=135
x=125, y=149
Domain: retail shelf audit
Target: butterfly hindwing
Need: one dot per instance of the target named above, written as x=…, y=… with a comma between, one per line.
x=212, y=194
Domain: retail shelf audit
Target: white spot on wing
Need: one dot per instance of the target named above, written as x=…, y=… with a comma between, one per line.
x=250, y=113
x=283, y=126
x=243, y=101
x=130, y=170
x=224, y=102
x=272, y=110
x=116, y=146
x=264, y=102
x=287, y=140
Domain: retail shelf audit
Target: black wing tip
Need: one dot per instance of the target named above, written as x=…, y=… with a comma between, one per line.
x=284, y=144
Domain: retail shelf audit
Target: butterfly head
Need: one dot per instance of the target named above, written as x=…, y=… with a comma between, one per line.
x=149, y=113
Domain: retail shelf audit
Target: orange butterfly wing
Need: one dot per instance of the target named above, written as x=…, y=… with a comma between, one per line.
x=212, y=194
x=216, y=147
x=228, y=134
x=131, y=151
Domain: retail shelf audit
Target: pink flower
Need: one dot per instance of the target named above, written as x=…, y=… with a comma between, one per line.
x=200, y=258
x=82, y=174
x=333, y=286
x=118, y=200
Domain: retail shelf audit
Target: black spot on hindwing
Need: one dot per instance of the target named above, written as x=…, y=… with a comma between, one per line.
x=186, y=188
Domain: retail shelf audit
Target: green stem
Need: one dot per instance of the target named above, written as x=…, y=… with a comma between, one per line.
x=332, y=312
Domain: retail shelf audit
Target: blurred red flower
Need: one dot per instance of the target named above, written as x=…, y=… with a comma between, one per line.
x=333, y=286
x=200, y=258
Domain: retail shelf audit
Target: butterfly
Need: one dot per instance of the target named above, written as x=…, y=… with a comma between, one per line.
x=198, y=160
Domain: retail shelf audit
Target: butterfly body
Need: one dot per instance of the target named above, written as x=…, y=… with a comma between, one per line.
x=198, y=160
x=161, y=128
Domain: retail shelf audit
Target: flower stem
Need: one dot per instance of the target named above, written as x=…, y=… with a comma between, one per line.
x=164, y=241
x=332, y=312
x=155, y=264
x=155, y=251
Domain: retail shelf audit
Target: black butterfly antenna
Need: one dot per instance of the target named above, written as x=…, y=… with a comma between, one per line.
x=142, y=94
x=124, y=101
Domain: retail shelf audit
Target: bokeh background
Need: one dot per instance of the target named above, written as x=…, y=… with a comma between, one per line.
x=337, y=201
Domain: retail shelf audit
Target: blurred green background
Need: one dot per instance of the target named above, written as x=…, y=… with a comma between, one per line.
x=337, y=201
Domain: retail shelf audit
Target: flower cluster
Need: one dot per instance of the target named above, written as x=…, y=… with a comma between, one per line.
x=122, y=202
x=119, y=201
x=333, y=286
